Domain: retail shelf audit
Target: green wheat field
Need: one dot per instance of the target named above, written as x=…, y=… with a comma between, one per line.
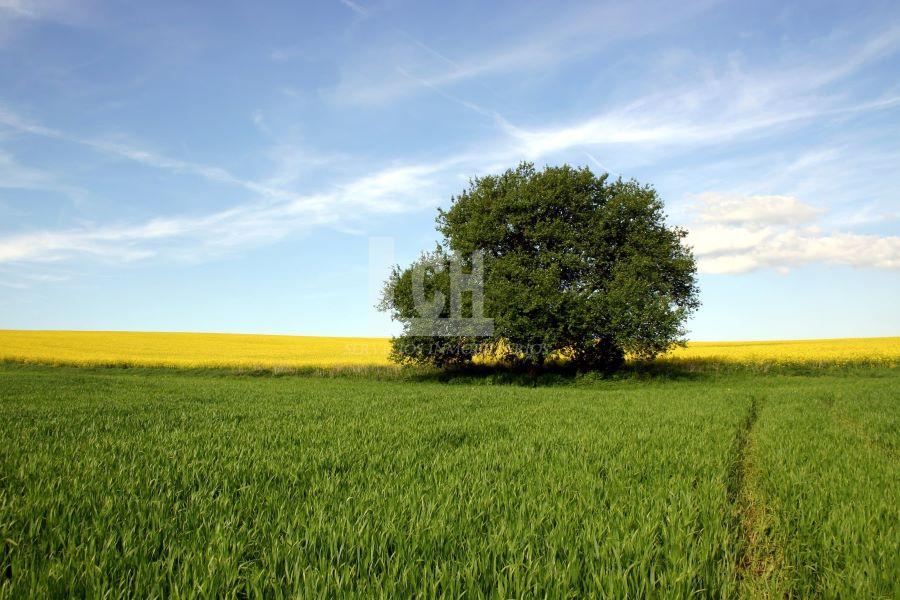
x=157, y=483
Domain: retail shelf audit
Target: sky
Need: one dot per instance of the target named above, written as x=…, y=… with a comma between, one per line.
x=249, y=167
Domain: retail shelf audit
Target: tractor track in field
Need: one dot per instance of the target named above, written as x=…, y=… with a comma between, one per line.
x=755, y=557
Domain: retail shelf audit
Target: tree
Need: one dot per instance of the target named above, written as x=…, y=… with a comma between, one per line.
x=574, y=266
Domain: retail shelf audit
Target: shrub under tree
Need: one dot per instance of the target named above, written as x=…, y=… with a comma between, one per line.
x=575, y=266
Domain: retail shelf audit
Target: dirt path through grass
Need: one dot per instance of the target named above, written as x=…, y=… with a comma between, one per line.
x=756, y=559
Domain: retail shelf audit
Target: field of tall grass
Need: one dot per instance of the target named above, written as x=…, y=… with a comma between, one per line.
x=216, y=479
x=156, y=483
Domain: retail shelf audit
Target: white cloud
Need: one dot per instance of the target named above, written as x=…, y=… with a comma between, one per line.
x=718, y=253
x=391, y=190
x=355, y=7
x=18, y=8
x=276, y=212
x=378, y=191
x=564, y=35
x=720, y=240
x=13, y=13
x=779, y=210
x=717, y=107
x=14, y=175
x=665, y=123
x=720, y=106
x=142, y=156
x=57, y=10
x=25, y=280
x=292, y=163
x=732, y=235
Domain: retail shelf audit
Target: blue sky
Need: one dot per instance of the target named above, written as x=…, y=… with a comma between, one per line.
x=224, y=166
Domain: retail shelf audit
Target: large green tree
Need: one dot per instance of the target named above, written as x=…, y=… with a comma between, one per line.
x=574, y=265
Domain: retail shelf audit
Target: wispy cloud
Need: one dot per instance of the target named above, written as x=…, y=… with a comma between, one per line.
x=564, y=36
x=15, y=13
x=141, y=156
x=44, y=9
x=274, y=211
x=17, y=8
x=14, y=175
x=27, y=280
x=358, y=9
x=390, y=190
x=721, y=107
x=731, y=233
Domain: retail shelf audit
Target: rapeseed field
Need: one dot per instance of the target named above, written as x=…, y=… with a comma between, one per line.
x=94, y=348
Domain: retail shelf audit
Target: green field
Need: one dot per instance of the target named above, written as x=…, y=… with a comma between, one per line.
x=156, y=483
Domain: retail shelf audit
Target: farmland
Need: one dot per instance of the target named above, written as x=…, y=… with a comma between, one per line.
x=92, y=348
x=157, y=482
x=190, y=349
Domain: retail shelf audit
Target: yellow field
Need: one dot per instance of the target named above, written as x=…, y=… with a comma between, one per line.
x=885, y=350
x=190, y=349
x=269, y=351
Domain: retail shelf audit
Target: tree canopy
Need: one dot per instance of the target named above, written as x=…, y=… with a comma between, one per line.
x=574, y=266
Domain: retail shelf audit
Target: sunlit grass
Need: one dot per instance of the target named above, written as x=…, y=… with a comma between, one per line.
x=158, y=483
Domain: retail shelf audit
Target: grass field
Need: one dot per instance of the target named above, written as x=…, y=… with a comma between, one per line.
x=274, y=351
x=153, y=483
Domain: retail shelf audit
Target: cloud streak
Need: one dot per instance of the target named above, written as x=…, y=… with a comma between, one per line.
x=273, y=214
x=730, y=233
x=564, y=36
x=144, y=157
x=719, y=108
x=16, y=176
x=390, y=190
